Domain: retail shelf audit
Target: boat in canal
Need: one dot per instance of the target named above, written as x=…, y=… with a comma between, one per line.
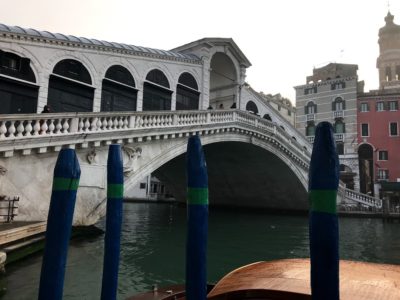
x=289, y=279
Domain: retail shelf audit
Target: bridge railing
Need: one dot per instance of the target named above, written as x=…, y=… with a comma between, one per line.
x=32, y=126
x=361, y=198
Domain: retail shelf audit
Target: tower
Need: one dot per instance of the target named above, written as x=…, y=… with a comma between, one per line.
x=388, y=62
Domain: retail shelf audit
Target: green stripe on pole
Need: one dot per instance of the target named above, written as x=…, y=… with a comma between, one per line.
x=115, y=190
x=65, y=184
x=197, y=196
x=323, y=201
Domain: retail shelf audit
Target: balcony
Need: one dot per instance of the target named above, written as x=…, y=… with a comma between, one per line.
x=339, y=137
x=310, y=117
x=338, y=114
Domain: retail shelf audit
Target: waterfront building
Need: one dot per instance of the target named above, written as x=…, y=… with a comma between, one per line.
x=330, y=94
x=378, y=120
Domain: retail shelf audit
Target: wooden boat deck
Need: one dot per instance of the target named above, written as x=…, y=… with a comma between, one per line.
x=290, y=279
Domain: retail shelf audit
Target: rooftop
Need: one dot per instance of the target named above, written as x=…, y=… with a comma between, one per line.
x=93, y=42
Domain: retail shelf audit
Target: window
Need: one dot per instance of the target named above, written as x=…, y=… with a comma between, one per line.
x=279, y=107
x=340, y=148
x=383, y=174
x=187, y=94
x=364, y=107
x=339, y=127
x=397, y=72
x=310, y=108
x=338, y=85
x=289, y=112
x=380, y=106
x=393, y=105
x=338, y=104
x=383, y=155
x=251, y=106
x=142, y=185
x=364, y=130
x=388, y=74
x=393, y=129
x=310, y=130
x=312, y=90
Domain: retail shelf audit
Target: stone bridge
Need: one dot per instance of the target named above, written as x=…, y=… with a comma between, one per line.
x=251, y=161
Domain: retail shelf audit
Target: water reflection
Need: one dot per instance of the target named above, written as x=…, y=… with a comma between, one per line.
x=153, y=249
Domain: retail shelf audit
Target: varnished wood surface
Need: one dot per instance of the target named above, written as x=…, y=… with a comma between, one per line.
x=358, y=280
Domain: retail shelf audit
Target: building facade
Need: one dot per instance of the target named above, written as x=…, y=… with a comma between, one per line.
x=379, y=118
x=330, y=94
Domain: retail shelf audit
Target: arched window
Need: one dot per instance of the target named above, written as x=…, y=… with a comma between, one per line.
x=310, y=129
x=118, y=90
x=268, y=117
x=70, y=87
x=17, y=94
x=339, y=127
x=310, y=108
x=252, y=107
x=338, y=104
x=187, y=94
x=156, y=92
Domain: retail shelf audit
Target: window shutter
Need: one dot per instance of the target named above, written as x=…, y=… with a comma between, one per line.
x=333, y=105
x=344, y=105
x=306, y=109
x=344, y=127
x=315, y=108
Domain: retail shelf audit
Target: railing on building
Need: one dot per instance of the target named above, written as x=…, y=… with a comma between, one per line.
x=338, y=114
x=339, y=137
x=8, y=208
x=310, y=117
x=311, y=139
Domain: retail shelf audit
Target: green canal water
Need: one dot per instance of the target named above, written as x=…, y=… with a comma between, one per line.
x=153, y=247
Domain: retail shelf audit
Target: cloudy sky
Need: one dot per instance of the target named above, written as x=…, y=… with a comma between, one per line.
x=283, y=39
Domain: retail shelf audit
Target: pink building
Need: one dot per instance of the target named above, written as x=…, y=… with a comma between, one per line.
x=378, y=120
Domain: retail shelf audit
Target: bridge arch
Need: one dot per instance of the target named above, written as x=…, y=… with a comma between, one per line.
x=70, y=87
x=187, y=92
x=172, y=158
x=119, y=91
x=18, y=96
x=224, y=80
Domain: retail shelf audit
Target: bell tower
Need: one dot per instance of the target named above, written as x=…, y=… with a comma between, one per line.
x=388, y=62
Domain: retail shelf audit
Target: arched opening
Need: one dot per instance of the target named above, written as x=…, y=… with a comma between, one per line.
x=347, y=176
x=18, y=93
x=338, y=104
x=223, y=81
x=267, y=117
x=310, y=129
x=119, y=91
x=187, y=93
x=366, y=165
x=156, y=92
x=310, y=108
x=70, y=87
x=339, y=127
x=252, y=107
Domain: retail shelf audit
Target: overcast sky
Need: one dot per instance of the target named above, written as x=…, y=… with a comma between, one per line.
x=283, y=39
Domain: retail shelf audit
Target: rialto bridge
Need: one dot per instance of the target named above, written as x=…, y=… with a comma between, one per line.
x=149, y=101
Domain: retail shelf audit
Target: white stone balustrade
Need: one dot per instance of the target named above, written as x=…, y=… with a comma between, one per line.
x=362, y=198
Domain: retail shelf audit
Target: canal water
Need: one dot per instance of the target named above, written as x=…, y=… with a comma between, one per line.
x=153, y=247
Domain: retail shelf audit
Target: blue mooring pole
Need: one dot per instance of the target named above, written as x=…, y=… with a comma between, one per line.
x=324, y=232
x=59, y=222
x=197, y=219
x=115, y=193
